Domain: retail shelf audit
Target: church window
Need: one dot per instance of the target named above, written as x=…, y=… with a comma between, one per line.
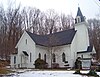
x=54, y=57
x=39, y=56
x=78, y=19
x=45, y=57
x=14, y=59
x=63, y=57
x=30, y=57
x=81, y=56
x=26, y=41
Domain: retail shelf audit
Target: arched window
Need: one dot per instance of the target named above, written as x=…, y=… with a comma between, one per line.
x=63, y=57
x=54, y=57
x=14, y=59
x=78, y=20
x=26, y=41
x=39, y=55
x=30, y=57
x=45, y=57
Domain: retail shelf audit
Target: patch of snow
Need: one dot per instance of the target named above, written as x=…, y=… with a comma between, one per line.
x=48, y=74
x=21, y=70
x=44, y=73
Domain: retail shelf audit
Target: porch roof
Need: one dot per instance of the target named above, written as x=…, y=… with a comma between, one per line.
x=89, y=49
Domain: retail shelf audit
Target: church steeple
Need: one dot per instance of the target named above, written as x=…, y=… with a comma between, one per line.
x=79, y=17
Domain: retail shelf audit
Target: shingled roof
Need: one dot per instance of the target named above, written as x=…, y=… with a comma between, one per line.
x=55, y=39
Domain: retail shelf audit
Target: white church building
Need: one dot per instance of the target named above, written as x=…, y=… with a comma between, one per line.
x=66, y=45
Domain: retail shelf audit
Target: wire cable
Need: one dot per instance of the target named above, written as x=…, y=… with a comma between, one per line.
x=96, y=3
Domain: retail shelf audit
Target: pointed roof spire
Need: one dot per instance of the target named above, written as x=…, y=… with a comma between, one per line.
x=79, y=13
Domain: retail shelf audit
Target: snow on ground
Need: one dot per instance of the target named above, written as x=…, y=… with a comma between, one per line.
x=47, y=73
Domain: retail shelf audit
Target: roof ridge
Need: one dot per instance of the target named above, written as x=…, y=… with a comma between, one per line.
x=52, y=33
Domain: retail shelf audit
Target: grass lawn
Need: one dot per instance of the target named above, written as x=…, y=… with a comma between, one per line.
x=5, y=71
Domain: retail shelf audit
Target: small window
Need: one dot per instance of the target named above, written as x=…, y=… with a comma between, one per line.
x=14, y=59
x=81, y=56
x=79, y=20
x=39, y=56
x=75, y=21
x=30, y=56
x=63, y=57
x=45, y=57
x=54, y=57
x=26, y=41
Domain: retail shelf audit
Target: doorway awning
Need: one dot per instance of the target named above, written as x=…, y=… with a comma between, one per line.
x=25, y=53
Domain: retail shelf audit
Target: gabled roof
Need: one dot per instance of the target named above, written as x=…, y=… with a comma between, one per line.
x=89, y=49
x=55, y=39
x=79, y=13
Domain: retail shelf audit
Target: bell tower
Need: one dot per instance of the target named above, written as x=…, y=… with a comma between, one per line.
x=82, y=32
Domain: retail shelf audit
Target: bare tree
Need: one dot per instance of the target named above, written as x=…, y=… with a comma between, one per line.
x=31, y=19
x=51, y=21
x=94, y=33
x=42, y=30
x=3, y=29
x=66, y=21
x=10, y=31
x=52, y=43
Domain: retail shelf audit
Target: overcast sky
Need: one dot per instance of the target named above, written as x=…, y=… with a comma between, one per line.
x=89, y=8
